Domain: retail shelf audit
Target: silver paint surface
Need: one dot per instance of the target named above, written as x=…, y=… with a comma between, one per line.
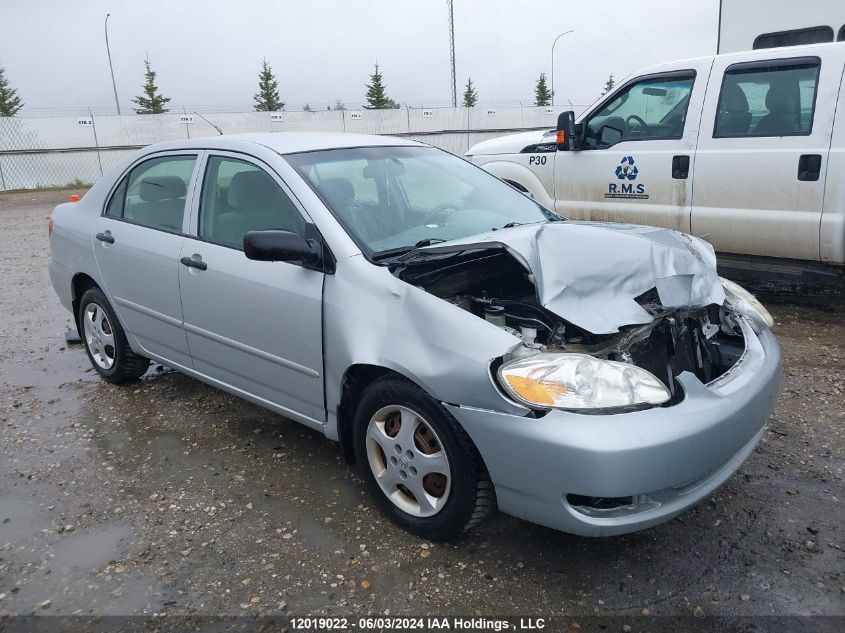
x=289, y=337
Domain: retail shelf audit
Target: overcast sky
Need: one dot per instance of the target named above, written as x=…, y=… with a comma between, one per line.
x=207, y=52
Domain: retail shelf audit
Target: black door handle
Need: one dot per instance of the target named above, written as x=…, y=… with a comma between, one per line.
x=105, y=237
x=809, y=166
x=680, y=167
x=194, y=263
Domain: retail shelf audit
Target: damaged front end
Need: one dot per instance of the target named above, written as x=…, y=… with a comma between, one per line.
x=596, y=332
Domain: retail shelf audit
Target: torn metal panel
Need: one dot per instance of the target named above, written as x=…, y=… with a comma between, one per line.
x=591, y=273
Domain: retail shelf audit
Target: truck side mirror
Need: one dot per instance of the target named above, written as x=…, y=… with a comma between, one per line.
x=566, y=135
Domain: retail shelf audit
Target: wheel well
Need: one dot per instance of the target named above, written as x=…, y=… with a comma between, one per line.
x=355, y=380
x=79, y=285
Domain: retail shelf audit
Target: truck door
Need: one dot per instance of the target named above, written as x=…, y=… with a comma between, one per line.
x=638, y=152
x=763, y=151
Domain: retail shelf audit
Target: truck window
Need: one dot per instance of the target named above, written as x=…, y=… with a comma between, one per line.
x=811, y=35
x=650, y=108
x=773, y=98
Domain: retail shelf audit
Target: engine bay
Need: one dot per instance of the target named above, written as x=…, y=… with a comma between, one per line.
x=493, y=285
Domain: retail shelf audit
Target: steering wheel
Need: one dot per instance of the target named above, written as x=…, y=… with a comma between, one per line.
x=638, y=120
x=440, y=212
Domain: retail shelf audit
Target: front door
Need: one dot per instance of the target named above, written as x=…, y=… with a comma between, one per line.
x=638, y=154
x=254, y=326
x=763, y=151
x=137, y=244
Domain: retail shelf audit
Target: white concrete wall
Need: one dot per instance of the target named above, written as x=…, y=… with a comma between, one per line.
x=58, y=150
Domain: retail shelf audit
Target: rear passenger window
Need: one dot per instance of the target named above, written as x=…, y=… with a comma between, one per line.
x=154, y=193
x=237, y=197
x=768, y=99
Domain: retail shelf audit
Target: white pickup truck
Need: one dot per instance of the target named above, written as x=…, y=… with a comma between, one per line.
x=745, y=150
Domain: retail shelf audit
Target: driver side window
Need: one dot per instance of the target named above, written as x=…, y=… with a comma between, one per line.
x=650, y=109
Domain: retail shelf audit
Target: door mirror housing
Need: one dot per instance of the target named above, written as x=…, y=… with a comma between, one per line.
x=567, y=135
x=275, y=245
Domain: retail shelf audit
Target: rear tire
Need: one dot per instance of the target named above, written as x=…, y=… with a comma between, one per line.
x=427, y=476
x=105, y=341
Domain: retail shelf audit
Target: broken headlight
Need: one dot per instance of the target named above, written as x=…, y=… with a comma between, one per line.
x=747, y=305
x=579, y=381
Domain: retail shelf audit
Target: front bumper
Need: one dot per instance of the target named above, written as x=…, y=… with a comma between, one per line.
x=667, y=459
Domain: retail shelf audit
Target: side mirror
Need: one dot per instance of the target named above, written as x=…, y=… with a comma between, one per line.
x=275, y=245
x=566, y=134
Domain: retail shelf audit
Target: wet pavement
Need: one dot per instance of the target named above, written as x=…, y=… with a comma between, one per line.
x=169, y=496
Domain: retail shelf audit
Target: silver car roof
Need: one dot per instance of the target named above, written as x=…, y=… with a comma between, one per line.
x=285, y=142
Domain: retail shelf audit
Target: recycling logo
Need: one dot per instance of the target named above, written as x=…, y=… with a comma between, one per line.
x=627, y=169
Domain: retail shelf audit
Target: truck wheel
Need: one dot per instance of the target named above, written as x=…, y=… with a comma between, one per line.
x=418, y=462
x=105, y=341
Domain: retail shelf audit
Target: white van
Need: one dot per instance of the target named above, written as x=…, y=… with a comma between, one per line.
x=745, y=150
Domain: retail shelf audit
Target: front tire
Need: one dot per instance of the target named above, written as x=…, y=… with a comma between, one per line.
x=418, y=462
x=105, y=341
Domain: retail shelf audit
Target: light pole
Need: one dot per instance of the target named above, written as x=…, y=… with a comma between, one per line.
x=452, y=53
x=553, y=61
x=111, y=69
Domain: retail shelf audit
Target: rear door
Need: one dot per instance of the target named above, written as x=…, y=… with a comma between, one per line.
x=638, y=155
x=253, y=326
x=763, y=151
x=137, y=243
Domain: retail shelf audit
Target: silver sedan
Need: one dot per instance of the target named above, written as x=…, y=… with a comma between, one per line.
x=467, y=347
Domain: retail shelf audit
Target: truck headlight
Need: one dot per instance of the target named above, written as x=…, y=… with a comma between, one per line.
x=579, y=381
x=747, y=304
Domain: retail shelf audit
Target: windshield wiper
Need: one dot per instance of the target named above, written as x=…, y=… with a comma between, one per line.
x=428, y=242
x=390, y=252
x=401, y=250
x=509, y=225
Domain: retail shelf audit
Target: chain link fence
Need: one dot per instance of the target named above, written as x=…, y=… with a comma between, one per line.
x=57, y=151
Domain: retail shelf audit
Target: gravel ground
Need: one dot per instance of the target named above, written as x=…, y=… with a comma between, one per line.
x=169, y=496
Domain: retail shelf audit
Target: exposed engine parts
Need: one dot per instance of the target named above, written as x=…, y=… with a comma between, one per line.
x=494, y=286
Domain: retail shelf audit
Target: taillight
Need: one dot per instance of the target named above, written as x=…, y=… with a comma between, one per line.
x=50, y=227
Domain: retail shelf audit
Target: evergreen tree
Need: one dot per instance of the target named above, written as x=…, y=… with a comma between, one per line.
x=377, y=98
x=10, y=102
x=152, y=101
x=609, y=84
x=306, y=108
x=542, y=94
x=470, y=94
x=267, y=99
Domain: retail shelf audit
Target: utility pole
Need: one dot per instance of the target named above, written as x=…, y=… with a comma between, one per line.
x=452, y=53
x=111, y=69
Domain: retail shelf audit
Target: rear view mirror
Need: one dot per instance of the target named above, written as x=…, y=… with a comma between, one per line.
x=566, y=135
x=654, y=92
x=282, y=246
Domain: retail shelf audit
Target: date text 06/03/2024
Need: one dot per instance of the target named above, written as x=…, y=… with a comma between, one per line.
x=384, y=623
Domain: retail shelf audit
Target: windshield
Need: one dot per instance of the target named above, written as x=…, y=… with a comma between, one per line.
x=391, y=199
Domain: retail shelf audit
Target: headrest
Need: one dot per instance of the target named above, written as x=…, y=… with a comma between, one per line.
x=252, y=190
x=735, y=100
x=158, y=188
x=339, y=191
x=783, y=96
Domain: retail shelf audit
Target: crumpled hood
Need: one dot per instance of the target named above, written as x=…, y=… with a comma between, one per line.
x=590, y=273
